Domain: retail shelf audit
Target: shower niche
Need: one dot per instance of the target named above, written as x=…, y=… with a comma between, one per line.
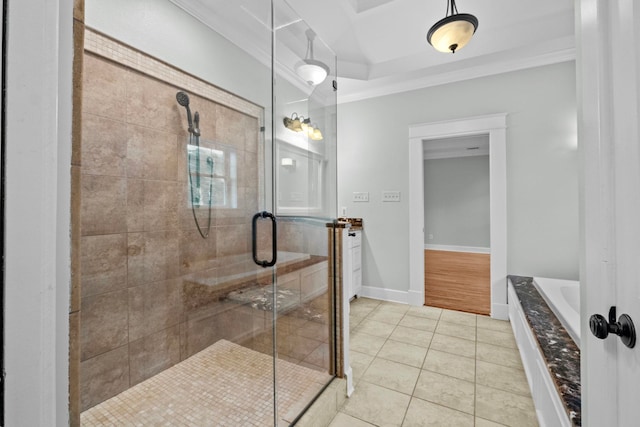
x=185, y=182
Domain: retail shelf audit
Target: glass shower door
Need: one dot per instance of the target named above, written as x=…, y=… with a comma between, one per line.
x=304, y=198
x=176, y=321
x=206, y=194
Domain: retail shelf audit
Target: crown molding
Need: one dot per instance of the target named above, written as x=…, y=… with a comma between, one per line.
x=375, y=88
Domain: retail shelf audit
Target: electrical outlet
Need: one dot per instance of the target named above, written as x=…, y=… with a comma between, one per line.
x=361, y=196
x=390, y=196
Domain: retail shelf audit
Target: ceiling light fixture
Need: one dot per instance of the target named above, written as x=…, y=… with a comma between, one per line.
x=311, y=70
x=452, y=32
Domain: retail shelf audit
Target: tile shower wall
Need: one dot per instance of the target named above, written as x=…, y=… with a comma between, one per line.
x=138, y=237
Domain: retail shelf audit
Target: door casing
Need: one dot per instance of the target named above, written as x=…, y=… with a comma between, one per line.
x=495, y=126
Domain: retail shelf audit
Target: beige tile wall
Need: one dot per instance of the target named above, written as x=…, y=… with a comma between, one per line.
x=74, y=297
x=137, y=235
x=136, y=240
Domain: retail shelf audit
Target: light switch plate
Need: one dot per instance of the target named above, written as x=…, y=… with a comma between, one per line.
x=362, y=196
x=390, y=196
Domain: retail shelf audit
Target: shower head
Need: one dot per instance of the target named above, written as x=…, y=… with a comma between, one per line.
x=183, y=99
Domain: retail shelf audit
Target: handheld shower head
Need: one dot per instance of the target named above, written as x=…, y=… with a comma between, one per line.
x=196, y=126
x=183, y=99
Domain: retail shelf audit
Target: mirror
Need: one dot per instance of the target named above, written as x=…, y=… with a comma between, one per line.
x=299, y=177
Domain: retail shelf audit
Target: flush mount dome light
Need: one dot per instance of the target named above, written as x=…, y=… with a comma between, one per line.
x=311, y=70
x=452, y=32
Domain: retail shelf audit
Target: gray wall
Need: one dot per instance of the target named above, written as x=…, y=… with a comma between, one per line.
x=163, y=30
x=456, y=201
x=542, y=176
x=541, y=139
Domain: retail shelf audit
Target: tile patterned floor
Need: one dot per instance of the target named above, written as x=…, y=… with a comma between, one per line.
x=424, y=366
x=224, y=385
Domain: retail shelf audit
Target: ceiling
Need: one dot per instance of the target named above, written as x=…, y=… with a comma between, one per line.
x=381, y=44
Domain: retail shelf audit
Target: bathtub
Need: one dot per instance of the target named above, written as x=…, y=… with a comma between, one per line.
x=563, y=297
x=544, y=346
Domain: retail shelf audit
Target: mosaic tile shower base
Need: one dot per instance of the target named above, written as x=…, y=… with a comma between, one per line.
x=223, y=385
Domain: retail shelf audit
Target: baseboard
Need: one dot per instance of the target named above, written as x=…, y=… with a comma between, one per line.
x=453, y=248
x=500, y=311
x=384, y=294
x=348, y=373
x=415, y=298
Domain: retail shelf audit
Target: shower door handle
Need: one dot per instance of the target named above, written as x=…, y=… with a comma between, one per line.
x=254, y=239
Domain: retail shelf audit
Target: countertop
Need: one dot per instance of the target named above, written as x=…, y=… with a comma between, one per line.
x=561, y=354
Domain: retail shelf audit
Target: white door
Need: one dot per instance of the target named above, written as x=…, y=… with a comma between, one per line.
x=608, y=67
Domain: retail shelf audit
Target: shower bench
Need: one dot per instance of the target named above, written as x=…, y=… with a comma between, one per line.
x=239, y=306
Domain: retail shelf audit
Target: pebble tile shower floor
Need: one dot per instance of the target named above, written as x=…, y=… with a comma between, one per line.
x=425, y=366
x=224, y=385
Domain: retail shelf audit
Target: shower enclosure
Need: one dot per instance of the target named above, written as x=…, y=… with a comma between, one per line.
x=207, y=195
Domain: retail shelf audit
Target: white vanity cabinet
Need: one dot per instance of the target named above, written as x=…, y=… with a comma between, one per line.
x=352, y=267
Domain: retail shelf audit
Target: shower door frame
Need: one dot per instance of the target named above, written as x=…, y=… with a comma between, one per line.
x=311, y=214
x=3, y=83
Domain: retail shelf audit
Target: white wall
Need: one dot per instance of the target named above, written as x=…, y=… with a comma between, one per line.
x=456, y=201
x=37, y=212
x=542, y=183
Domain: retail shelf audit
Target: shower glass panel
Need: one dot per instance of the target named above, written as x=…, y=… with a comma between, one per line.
x=206, y=296
x=305, y=202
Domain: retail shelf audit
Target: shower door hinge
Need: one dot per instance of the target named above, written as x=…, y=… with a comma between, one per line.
x=335, y=85
x=261, y=128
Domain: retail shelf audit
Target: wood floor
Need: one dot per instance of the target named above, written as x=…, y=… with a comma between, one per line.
x=458, y=281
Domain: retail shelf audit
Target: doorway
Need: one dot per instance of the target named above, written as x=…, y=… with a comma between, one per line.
x=457, y=223
x=495, y=127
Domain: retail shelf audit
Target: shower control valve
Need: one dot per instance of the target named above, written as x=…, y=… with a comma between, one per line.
x=623, y=328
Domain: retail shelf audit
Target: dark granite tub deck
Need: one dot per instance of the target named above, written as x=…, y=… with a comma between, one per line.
x=561, y=354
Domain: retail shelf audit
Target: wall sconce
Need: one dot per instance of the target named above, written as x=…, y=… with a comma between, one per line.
x=305, y=124
x=314, y=133
x=294, y=123
x=301, y=124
